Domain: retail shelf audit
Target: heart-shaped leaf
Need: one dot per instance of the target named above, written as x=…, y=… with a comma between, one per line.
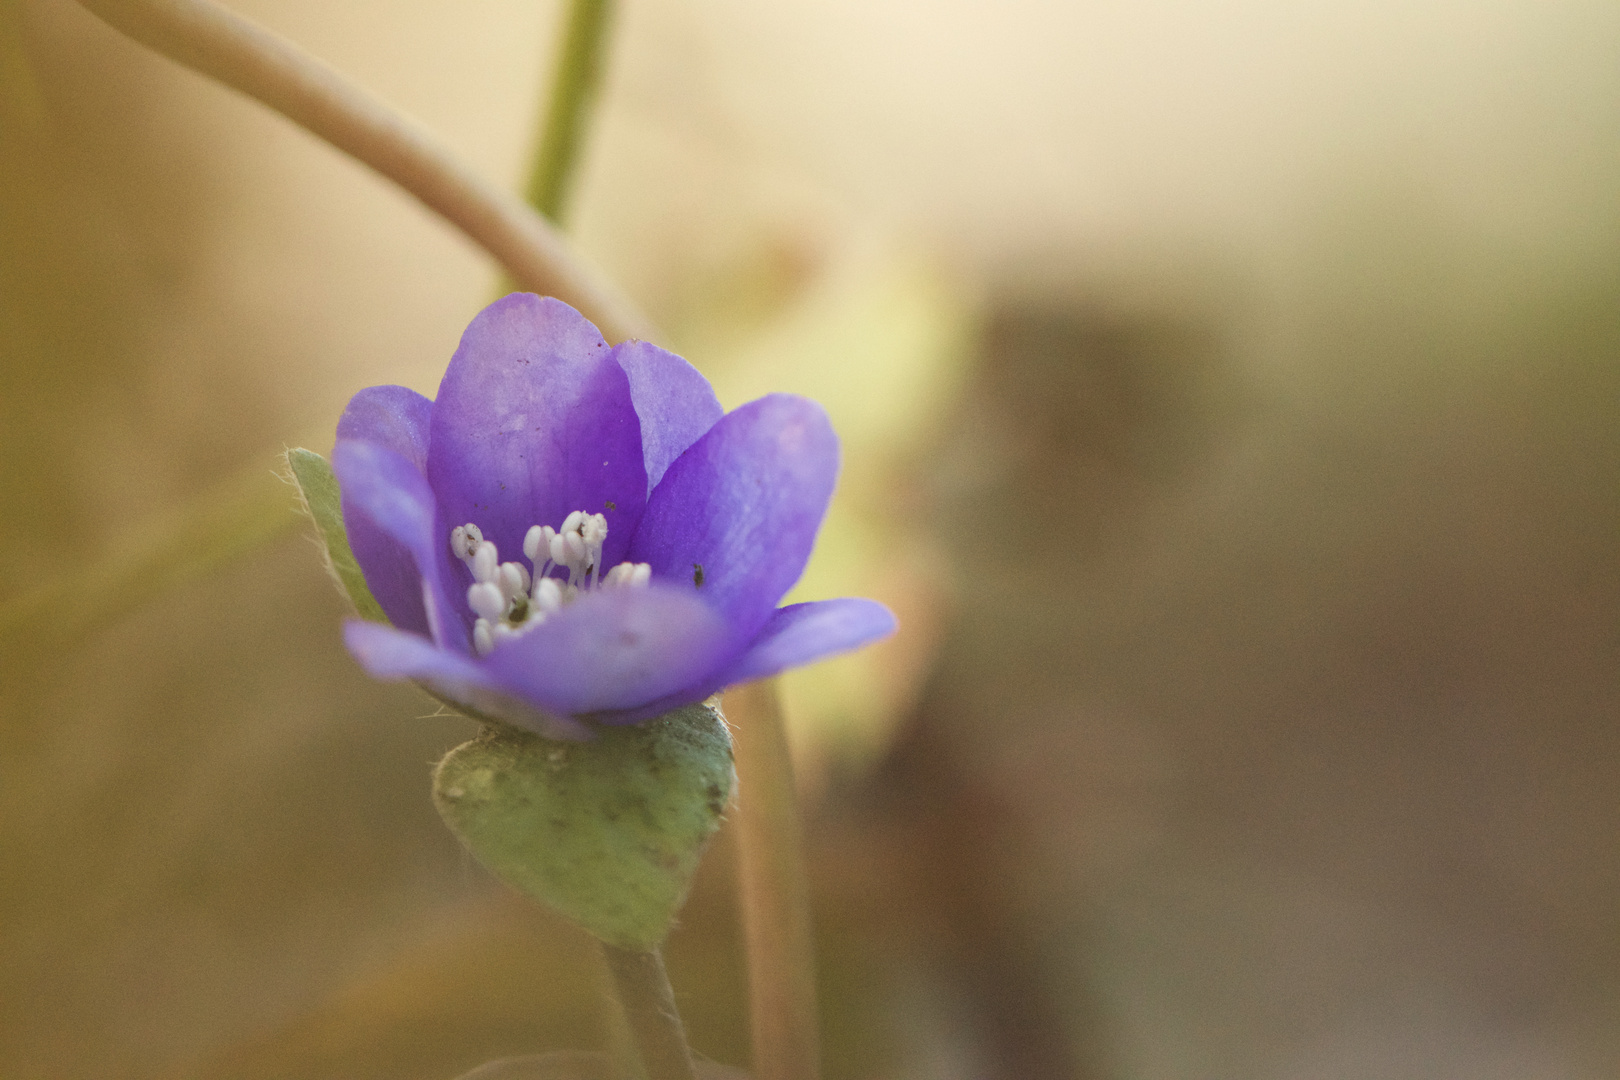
x=608, y=832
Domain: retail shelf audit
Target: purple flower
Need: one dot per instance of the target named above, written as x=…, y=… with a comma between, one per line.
x=577, y=531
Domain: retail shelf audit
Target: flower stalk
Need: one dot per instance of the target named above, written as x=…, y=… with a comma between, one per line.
x=266, y=67
x=774, y=890
x=642, y=987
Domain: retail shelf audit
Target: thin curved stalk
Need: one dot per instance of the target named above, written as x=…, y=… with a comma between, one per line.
x=268, y=68
x=774, y=891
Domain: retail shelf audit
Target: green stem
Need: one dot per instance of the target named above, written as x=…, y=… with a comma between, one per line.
x=573, y=89
x=774, y=893
x=642, y=987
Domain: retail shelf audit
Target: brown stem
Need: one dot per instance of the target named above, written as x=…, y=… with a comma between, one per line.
x=775, y=898
x=268, y=68
x=643, y=990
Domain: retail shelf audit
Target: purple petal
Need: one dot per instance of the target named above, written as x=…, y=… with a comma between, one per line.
x=391, y=416
x=612, y=649
x=804, y=633
x=800, y=634
x=743, y=503
x=533, y=421
x=673, y=400
x=384, y=489
x=395, y=418
x=392, y=654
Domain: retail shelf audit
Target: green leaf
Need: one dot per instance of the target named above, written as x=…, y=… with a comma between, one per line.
x=319, y=488
x=607, y=832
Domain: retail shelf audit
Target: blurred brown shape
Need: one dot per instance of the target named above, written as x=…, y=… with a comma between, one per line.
x=1279, y=723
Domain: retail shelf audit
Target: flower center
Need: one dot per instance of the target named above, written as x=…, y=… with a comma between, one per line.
x=509, y=599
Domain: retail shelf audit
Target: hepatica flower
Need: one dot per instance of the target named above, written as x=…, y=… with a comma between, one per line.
x=573, y=531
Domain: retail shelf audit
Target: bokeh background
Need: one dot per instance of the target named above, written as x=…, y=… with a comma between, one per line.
x=1230, y=397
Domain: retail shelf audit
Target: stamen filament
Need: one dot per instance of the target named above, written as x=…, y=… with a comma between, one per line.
x=509, y=600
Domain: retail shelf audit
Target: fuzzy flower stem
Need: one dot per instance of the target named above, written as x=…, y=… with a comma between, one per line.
x=574, y=86
x=642, y=988
x=268, y=68
x=775, y=900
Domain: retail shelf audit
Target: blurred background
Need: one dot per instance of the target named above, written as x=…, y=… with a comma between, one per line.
x=1229, y=393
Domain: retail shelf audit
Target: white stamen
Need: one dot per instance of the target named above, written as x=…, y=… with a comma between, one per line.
x=464, y=540
x=509, y=600
x=573, y=553
x=484, y=562
x=513, y=579
x=593, y=530
x=547, y=595
x=627, y=575
x=485, y=598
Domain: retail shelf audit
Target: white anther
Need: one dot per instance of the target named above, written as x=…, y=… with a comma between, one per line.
x=627, y=575
x=573, y=552
x=485, y=598
x=464, y=540
x=509, y=599
x=547, y=595
x=513, y=580
x=537, y=546
x=484, y=562
x=594, y=531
